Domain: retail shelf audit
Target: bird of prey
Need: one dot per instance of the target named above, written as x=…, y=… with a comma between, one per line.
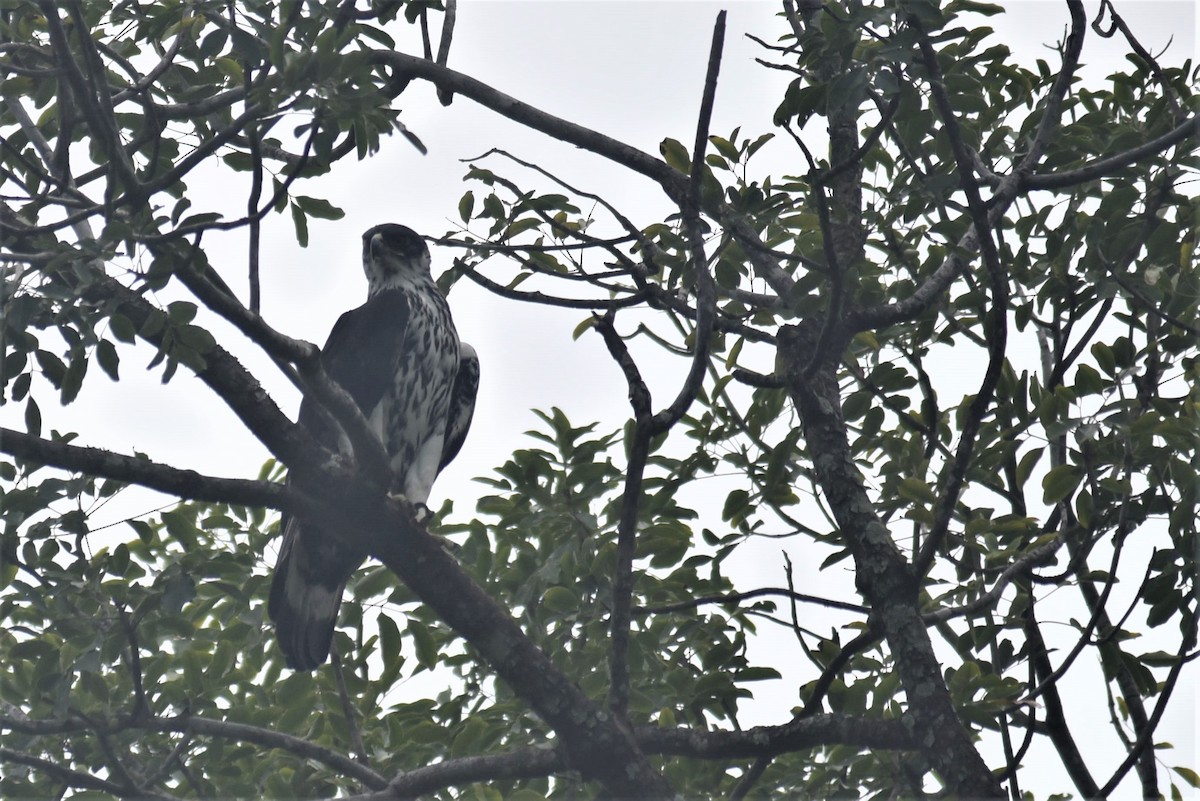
x=399, y=357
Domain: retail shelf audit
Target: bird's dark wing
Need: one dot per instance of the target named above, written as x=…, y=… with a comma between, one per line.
x=360, y=355
x=313, y=567
x=462, y=403
x=306, y=591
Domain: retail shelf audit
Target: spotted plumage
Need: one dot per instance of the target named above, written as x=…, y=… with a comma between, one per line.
x=399, y=357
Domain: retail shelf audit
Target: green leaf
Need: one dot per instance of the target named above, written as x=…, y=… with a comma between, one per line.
x=106, y=357
x=122, y=328
x=757, y=674
x=300, y=221
x=1105, y=357
x=1060, y=482
x=848, y=89
x=72, y=380
x=725, y=148
x=736, y=502
x=181, y=526
x=390, y=641
x=1087, y=381
x=321, y=209
x=242, y=162
x=196, y=338
x=33, y=417
x=520, y=226
x=144, y=530
x=52, y=367
x=914, y=489
x=583, y=326
x=1026, y=465
x=181, y=311
x=560, y=600
x=426, y=648
x=231, y=69
x=676, y=155
x=466, y=205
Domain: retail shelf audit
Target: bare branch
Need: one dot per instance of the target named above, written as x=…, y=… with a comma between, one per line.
x=236, y=387
x=631, y=499
x=208, y=727
x=797, y=735
x=405, y=66
x=1118, y=23
x=181, y=483
x=1109, y=166
x=706, y=299
x=542, y=298
x=1052, y=112
x=739, y=597
x=445, y=96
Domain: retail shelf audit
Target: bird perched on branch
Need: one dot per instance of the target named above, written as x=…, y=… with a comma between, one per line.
x=399, y=357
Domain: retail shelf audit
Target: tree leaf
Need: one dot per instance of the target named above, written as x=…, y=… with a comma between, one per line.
x=1060, y=482
x=676, y=155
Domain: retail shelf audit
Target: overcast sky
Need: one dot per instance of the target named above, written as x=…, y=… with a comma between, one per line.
x=631, y=70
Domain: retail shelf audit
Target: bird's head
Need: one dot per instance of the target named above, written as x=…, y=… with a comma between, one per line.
x=394, y=255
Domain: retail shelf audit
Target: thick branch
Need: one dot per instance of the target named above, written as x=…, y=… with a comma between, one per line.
x=797, y=735
x=368, y=450
x=226, y=376
x=186, y=484
x=882, y=574
x=1056, y=722
x=596, y=746
x=1109, y=166
x=407, y=67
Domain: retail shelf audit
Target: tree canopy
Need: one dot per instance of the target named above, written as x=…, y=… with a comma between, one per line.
x=944, y=345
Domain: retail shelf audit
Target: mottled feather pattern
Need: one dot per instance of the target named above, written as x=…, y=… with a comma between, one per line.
x=416, y=409
x=399, y=358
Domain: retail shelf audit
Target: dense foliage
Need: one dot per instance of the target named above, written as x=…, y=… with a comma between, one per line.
x=950, y=347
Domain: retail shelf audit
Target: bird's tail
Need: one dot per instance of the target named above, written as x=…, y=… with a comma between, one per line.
x=304, y=602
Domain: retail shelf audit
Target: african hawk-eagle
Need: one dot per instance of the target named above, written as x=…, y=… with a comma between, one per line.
x=400, y=359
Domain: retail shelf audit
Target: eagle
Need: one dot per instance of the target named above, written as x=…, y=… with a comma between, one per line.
x=399, y=357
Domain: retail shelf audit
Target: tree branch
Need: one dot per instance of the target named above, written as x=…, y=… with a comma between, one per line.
x=596, y=746
x=68, y=777
x=405, y=66
x=368, y=450
x=739, y=597
x=1056, y=722
x=187, y=484
x=882, y=574
x=954, y=475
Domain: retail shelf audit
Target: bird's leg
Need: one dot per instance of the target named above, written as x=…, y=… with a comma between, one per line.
x=421, y=512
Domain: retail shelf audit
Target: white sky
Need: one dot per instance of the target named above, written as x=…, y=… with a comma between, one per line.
x=633, y=70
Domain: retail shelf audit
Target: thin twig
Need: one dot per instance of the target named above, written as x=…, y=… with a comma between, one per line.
x=739, y=597
x=356, y=740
